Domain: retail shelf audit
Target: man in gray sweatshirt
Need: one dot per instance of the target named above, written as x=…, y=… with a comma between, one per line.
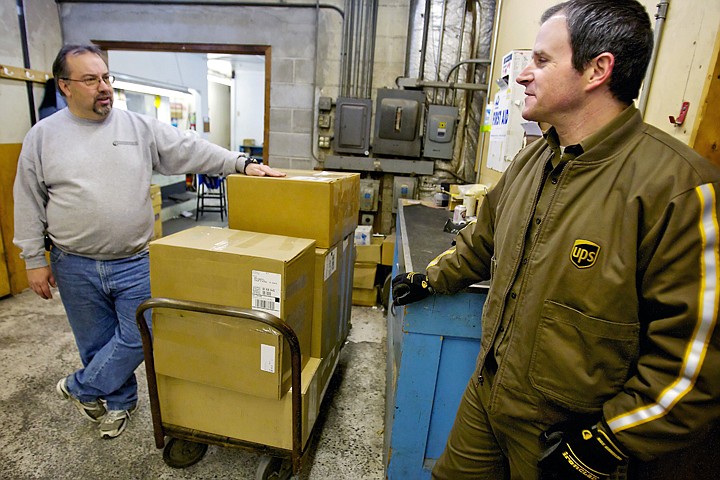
x=83, y=187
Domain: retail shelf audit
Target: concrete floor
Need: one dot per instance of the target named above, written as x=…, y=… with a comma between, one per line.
x=44, y=437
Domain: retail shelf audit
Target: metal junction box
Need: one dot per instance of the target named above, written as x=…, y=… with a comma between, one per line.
x=398, y=118
x=369, y=194
x=403, y=187
x=440, y=132
x=352, y=125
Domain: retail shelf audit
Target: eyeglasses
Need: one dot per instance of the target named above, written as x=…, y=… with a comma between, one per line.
x=93, y=81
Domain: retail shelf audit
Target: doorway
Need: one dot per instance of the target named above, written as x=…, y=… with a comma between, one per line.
x=209, y=48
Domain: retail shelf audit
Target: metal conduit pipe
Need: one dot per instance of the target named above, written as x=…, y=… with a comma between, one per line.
x=466, y=112
x=371, y=50
x=208, y=4
x=440, y=46
x=660, y=17
x=357, y=47
x=344, y=48
x=313, y=138
x=458, y=56
x=361, y=46
x=357, y=35
x=351, y=49
x=26, y=58
x=482, y=61
x=426, y=28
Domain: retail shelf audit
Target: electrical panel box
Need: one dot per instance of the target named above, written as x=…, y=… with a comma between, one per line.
x=440, y=132
x=352, y=125
x=507, y=133
x=369, y=194
x=367, y=219
x=324, y=104
x=398, y=118
x=403, y=187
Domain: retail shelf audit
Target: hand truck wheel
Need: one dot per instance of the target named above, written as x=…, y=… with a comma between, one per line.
x=183, y=453
x=273, y=468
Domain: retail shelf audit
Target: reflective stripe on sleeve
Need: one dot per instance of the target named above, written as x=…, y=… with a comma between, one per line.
x=707, y=318
x=435, y=260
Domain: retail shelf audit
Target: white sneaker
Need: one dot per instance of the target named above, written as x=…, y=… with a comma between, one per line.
x=93, y=411
x=115, y=422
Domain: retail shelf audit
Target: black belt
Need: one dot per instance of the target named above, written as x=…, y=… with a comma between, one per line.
x=48, y=243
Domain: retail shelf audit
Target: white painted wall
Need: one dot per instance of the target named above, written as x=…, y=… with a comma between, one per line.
x=249, y=91
x=684, y=63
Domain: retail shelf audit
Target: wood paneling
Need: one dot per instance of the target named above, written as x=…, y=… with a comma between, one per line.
x=15, y=266
x=4, y=275
x=707, y=139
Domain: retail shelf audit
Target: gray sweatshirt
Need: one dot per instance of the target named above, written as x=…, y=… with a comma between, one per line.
x=87, y=183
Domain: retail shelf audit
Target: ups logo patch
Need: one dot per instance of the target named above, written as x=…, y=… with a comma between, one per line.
x=584, y=253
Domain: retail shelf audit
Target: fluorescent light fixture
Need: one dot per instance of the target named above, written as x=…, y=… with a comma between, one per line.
x=150, y=90
x=221, y=80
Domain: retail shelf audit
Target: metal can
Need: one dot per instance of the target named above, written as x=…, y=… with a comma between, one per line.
x=459, y=214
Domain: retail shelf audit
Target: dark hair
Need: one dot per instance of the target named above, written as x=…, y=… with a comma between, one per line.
x=620, y=27
x=59, y=67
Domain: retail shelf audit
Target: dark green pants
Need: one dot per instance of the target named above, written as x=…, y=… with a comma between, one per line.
x=488, y=447
x=496, y=447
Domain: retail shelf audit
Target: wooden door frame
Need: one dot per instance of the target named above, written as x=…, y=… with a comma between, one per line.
x=264, y=50
x=705, y=138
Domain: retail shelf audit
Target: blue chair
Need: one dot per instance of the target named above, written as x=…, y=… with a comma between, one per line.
x=210, y=187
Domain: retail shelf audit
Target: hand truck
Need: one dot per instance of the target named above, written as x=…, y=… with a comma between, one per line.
x=187, y=446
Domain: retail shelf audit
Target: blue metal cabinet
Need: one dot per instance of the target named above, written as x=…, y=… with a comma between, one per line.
x=432, y=346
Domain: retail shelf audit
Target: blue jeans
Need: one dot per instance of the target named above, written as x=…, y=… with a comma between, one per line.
x=100, y=299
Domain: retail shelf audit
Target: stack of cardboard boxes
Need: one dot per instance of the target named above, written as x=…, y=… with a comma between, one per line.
x=373, y=262
x=288, y=251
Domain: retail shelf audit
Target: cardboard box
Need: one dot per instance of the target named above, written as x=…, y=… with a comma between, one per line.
x=364, y=275
x=320, y=205
x=347, y=279
x=388, y=250
x=363, y=235
x=364, y=296
x=328, y=306
x=213, y=265
x=156, y=198
x=371, y=253
x=326, y=369
x=237, y=415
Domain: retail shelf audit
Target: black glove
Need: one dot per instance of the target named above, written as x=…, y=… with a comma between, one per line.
x=410, y=287
x=590, y=453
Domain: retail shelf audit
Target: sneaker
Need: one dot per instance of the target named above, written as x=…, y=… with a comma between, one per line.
x=115, y=422
x=93, y=411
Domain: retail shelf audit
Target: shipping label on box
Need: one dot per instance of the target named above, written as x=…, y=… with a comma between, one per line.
x=271, y=273
x=266, y=291
x=307, y=204
x=330, y=263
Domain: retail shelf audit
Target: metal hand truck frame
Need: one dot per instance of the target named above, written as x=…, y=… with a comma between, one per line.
x=187, y=446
